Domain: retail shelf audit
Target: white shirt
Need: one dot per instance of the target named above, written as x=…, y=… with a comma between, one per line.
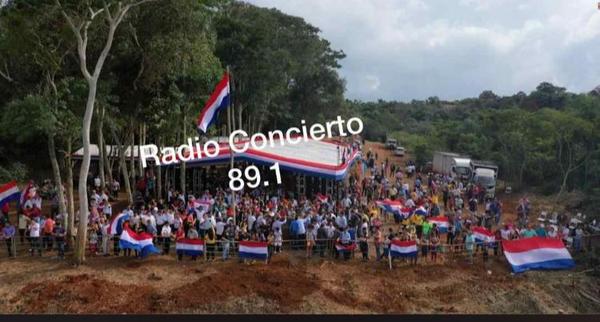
x=161, y=219
x=251, y=220
x=108, y=210
x=170, y=218
x=220, y=228
x=278, y=224
x=34, y=230
x=330, y=231
x=301, y=228
x=166, y=231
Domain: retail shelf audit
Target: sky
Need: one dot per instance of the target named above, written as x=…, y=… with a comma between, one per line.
x=414, y=49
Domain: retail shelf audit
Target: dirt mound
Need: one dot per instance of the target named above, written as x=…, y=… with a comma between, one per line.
x=279, y=282
x=84, y=293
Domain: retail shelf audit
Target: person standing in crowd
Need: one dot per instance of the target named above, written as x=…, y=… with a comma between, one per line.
x=578, y=238
x=104, y=228
x=322, y=236
x=435, y=243
x=310, y=240
x=22, y=226
x=34, y=236
x=528, y=232
x=470, y=245
x=59, y=234
x=47, y=229
x=166, y=234
x=378, y=241
x=363, y=244
x=211, y=242
x=228, y=238
x=192, y=234
x=345, y=239
x=8, y=234
x=540, y=231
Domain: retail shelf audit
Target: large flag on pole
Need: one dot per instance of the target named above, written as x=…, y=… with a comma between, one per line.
x=218, y=101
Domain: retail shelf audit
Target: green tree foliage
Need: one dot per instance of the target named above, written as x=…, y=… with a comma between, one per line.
x=547, y=140
x=283, y=70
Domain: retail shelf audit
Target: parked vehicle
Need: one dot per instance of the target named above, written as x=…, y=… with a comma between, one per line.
x=399, y=152
x=452, y=164
x=485, y=174
x=391, y=144
x=461, y=167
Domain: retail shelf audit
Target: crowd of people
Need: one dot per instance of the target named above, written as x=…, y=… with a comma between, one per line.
x=314, y=225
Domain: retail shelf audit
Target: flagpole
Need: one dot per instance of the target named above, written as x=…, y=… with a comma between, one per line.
x=230, y=127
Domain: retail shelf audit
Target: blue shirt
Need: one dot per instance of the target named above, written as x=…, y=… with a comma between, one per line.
x=294, y=227
x=8, y=231
x=345, y=237
x=541, y=232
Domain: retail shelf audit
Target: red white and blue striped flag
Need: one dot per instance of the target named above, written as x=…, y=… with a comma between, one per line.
x=141, y=242
x=441, y=222
x=254, y=250
x=483, y=235
x=9, y=192
x=115, y=227
x=190, y=247
x=218, y=101
x=537, y=253
x=403, y=248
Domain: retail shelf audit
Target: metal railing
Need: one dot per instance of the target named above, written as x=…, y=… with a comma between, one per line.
x=45, y=245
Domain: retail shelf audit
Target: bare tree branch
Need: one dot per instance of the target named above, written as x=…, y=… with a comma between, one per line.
x=6, y=74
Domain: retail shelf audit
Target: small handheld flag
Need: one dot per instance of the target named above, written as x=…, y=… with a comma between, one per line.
x=218, y=101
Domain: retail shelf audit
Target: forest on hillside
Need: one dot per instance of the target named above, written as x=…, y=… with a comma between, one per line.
x=167, y=56
x=547, y=140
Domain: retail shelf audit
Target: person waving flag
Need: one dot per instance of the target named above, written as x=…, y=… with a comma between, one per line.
x=218, y=101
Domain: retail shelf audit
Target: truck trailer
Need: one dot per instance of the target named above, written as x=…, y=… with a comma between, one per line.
x=452, y=164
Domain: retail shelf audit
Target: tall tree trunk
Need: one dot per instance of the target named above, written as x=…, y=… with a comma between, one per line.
x=122, y=163
x=101, y=146
x=62, y=207
x=81, y=35
x=159, y=184
x=132, y=165
x=240, y=124
x=139, y=149
x=108, y=163
x=167, y=178
x=182, y=164
x=70, y=193
x=83, y=172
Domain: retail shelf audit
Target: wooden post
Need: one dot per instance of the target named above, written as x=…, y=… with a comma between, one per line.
x=390, y=257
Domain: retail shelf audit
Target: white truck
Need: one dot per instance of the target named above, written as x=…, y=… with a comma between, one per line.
x=463, y=168
x=391, y=144
x=453, y=165
x=485, y=174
